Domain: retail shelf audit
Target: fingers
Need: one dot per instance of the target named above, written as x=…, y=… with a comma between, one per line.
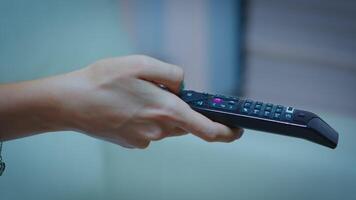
x=156, y=71
x=206, y=129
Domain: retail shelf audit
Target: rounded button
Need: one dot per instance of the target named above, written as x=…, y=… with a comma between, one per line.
x=288, y=116
x=232, y=102
x=217, y=100
x=247, y=104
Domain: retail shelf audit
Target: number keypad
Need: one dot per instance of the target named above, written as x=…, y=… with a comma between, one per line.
x=267, y=110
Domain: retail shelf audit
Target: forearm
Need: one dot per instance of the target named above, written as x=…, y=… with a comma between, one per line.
x=28, y=108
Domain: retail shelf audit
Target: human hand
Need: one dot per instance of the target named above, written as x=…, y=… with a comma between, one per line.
x=118, y=100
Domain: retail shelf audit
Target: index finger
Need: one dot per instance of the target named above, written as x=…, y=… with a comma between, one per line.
x=205, y=128
x=157, y=71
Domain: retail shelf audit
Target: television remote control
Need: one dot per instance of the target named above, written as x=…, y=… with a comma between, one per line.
x=246, y=113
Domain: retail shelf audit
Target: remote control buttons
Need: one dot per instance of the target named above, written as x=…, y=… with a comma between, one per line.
x=289, y=113
x=267, y=110
x=246, y=106
x=279, y=109
x=290, y=110
x=268, y=107
x=245, y=110
x=248, y=103
x=220, y=103
x=266, y=114
x=278, y=112
x=256, y=112
x=232, y=102
x=288, y=116
x=257, y=109
x=217, y=100
x=231, y=107
x=276, y=115
x=199, y=103
x=191, y=96
x=215, y=105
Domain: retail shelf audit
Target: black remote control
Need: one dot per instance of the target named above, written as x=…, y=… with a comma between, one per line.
x=237, y=112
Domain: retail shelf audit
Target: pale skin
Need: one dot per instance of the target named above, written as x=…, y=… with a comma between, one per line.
x=116, y=100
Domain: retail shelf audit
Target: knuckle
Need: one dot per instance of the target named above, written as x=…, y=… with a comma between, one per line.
x=160, y=113
x=158, y=136
x=140, y=63
x=142, y=60
x=171, y=108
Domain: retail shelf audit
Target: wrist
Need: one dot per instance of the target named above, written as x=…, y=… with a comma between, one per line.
x=29, y=108
x=47, y=104
x=43, y=105
x=64, y=99
x=57, y=101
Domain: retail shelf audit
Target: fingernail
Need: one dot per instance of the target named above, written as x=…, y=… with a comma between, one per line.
x=240, y=133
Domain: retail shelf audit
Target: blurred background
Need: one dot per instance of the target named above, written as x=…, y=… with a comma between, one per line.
x=298, y=53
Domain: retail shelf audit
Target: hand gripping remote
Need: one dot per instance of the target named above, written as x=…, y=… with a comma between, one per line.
x=237, y=112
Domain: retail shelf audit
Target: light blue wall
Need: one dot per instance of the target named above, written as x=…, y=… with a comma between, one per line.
x=39, y=37
x=45, y=37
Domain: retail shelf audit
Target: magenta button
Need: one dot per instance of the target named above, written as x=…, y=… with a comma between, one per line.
x=217, y=100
